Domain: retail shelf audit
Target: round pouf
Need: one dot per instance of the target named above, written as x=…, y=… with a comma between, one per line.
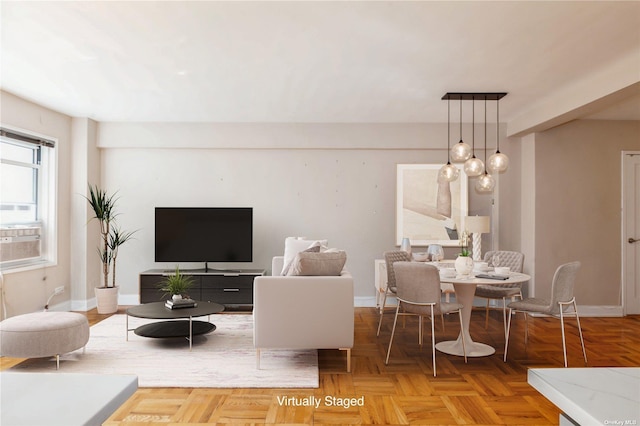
x=43, y=334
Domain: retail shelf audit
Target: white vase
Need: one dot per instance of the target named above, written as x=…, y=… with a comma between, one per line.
x=176, y=297
x=107, y=299
x=464, y=265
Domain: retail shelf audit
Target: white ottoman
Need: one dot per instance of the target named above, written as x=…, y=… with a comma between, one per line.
x=43, y=334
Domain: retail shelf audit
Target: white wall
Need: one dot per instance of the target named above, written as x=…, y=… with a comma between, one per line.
x=85, y=234
x=578, y=205
x=318, y=183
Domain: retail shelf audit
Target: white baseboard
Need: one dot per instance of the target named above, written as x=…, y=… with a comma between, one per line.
x=365, y=302
x=600, y=311
x=83, y=305
x=87, y=305
x=583, y=310
x=60, y=307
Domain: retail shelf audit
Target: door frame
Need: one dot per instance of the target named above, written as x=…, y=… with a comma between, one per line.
x=626, y=191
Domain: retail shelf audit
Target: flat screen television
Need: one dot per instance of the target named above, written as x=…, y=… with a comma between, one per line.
x=204, y=234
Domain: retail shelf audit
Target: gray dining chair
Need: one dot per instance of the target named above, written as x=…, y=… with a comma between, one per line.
x=562, y=299
x=391, y=257
x=515, y=261
x=418, y=293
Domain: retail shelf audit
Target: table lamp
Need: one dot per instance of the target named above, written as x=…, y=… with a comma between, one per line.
x=477, y=225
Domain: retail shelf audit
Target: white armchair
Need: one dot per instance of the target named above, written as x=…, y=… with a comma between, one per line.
x=303, y=312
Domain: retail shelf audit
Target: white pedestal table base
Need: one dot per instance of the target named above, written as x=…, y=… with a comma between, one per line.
x=464, y=295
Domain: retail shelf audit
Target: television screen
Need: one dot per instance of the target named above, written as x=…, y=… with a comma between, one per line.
x=204, y=234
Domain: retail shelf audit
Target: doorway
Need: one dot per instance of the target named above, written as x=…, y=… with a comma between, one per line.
x=631, y=232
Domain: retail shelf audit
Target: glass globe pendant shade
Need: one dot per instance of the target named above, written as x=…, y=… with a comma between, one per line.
x=448, y=173
x=460, y=152
x=485, y=183
x=473, y=167
x=498, y=162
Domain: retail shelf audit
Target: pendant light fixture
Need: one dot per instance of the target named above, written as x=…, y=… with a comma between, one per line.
x=448, y=172
x=473, y=167
x=461, y=151
x=486, y=182
x=498, y=162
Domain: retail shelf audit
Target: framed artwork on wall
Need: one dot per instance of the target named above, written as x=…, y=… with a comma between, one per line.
x=428, y=211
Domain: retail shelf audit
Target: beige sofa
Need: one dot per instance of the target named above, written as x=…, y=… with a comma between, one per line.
x=303, y=312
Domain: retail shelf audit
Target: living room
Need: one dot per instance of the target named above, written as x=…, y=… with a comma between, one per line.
x=311, y=170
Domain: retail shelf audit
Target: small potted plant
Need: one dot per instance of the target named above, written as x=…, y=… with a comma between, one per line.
x=464, y=262
x=176, y=285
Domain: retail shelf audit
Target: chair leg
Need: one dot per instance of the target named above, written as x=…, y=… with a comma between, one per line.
x=564, y=346
x=393, y=331
x=506, y=340
x=433, y=343
x=442, y=318
x=420, y=335
x=526, y=329
x=384, y=303
x=584, y=352
x=486, y=316
x=504, y=315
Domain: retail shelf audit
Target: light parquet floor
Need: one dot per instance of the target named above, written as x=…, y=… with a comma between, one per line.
x=485, y=391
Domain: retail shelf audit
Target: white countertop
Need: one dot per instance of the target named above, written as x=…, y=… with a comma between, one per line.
x=60, y=398
x=604, y=396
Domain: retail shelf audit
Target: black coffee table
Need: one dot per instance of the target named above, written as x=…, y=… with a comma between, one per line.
x=175, y=326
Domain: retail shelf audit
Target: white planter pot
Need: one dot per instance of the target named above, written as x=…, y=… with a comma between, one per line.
x=107, y=299
x=464, y=265
x=176, y=297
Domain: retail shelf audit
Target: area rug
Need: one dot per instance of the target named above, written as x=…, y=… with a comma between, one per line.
x=224, y=358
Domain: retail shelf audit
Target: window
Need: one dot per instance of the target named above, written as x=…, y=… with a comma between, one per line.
x=27, y=234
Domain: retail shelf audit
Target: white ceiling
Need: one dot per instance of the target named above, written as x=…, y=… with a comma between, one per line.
x=207, y=61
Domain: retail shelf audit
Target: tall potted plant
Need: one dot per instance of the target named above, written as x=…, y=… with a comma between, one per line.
x=111, y=238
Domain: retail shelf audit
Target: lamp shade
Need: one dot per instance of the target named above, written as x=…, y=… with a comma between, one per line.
x=478, y=224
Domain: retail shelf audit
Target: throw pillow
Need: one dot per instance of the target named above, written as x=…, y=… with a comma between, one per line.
x=293, y=246
x=324, y=264
x=312, y=249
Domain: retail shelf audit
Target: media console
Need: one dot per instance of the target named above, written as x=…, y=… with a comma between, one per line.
x=231, y=288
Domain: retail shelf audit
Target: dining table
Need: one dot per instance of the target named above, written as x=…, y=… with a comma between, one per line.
x=465, y=288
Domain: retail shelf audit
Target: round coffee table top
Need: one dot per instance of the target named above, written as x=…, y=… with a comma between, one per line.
x=157, y=310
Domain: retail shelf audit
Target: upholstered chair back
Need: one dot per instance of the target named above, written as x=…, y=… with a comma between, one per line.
x=391, y=257
x=562, y=285
x=418, y=282
x=511, y=259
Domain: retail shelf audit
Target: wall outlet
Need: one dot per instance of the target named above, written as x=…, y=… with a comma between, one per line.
x=59, y=290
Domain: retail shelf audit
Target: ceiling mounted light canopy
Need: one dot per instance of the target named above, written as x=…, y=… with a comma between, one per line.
x=462, y=152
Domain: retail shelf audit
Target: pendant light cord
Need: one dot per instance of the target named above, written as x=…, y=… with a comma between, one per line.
x=498, y=126
x=485, y=131
x=448, y=129
x=460, y=119
x=473, y=127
